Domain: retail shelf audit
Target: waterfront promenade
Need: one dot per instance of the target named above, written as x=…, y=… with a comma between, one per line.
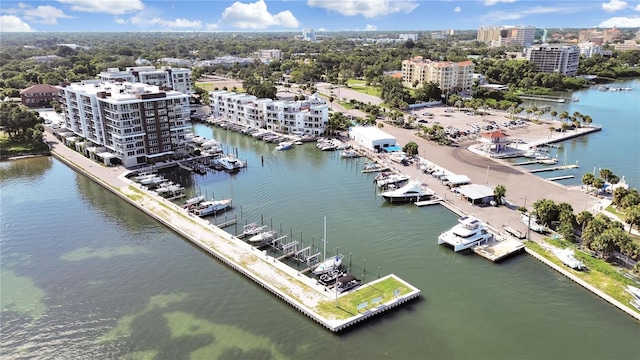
x=296, y=289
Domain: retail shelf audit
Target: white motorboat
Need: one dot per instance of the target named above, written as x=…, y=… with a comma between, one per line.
x=532, y=223
x=230, y=163
x=263, y=236
x=468, y=233
x=252, y=229
x=193, y=202
x=285, y=145
x=211, y=206
x=398, y=156
x=350, y=153
x=154, y=180
x=328, y=265
x=386, y=179
x=634, y=291
x=412, y=191
x=567, y=258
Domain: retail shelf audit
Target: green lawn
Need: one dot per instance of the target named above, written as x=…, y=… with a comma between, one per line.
x=361, y=86
x=11, y=147
x=601, y=274
x=348, y=304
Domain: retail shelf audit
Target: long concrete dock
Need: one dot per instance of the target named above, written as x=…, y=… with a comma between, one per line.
x=331, y=310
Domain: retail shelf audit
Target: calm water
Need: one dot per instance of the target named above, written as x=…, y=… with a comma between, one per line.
x=86, y=276
x=616, y=147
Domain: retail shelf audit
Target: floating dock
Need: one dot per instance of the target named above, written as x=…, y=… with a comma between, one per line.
x=428, y=202
x=554, y=168
x=500, y=248
x=561, y=177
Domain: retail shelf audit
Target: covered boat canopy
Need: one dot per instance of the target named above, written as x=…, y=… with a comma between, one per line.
x=477, y=194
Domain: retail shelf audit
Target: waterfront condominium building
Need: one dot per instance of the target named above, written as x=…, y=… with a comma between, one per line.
x=450, y=76
x=137, y=123
x=555, y=58
x=178, y=79
x=309, y=116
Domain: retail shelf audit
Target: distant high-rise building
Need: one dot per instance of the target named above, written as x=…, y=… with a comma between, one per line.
x=543, y=39
x=448, y=75
x=487, y=34
x=405, y=37
x=308, y=35
x=507, y=35
x=555, y=58
x=599, y=36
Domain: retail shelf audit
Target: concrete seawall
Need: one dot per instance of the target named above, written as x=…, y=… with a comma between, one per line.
x=584, y=284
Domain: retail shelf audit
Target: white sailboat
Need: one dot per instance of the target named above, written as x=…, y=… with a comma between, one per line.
x=331, y=263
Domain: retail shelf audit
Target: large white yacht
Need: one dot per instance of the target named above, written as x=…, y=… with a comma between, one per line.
x=412, y=191
x=468, y=233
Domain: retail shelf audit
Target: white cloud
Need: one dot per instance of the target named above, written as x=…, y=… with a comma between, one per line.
x=370, y=27
x=212, y=26
x=614, y=5
x=366, y=8
x=457, y=9
x=120, y=20
x=12, y=23
x=637, y=8
x=45, y=14
x=256, y=16
x=493, y=2
x=621, y=22
x=113, y=7
x=495, y=17
x=143, y=20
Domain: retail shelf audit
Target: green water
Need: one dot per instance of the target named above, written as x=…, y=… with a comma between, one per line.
x=105, y=281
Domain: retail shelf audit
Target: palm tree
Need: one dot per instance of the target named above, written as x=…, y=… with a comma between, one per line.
x=553, y=114
x=588, y=179
x=499, y=191
x=564, y=127
x=632, y=216
x=587, y=119
x=551, y=129
x=598, y=183
x=411, y=148
x=605, y=174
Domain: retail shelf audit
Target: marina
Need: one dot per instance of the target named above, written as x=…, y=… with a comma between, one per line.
x=144, y=275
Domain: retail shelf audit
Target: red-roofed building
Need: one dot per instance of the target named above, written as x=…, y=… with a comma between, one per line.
x=39, y=95
x=494, y=141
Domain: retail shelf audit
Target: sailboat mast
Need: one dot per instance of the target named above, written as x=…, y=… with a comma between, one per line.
x=324, y=256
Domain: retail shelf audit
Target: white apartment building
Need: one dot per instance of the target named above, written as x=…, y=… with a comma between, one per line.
x=588, y=49
x=308, y=116
x=308, y=35
x=266, y=56
x=179, y=79
x=449, y=76
x=405, y=37
x=135, y=122
x=555, y=58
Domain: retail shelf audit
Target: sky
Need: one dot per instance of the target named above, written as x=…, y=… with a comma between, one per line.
x=320, y=15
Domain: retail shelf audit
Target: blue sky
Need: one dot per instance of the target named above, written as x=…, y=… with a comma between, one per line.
x=321, y=15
